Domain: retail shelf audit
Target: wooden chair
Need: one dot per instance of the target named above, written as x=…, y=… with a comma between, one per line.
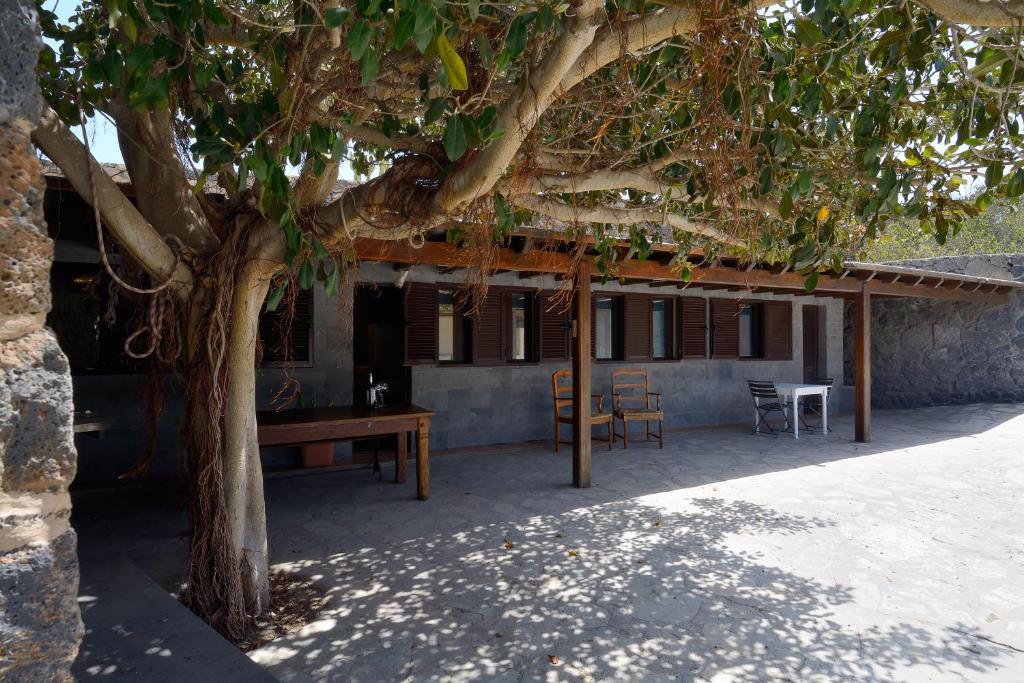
x=631, y=392
x=561, y=395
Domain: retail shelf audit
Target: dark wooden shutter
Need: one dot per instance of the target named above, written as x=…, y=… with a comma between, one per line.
x=488, y=343
x=593, y=326
x=725, y=328
x=637, y=326
x=693, y=327
x=554, y=328
x=421, y=323
x=778, y=330
x=273, y=325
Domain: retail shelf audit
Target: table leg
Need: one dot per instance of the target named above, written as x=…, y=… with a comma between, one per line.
x=423, y=458
x=401, y=456
x=824, y=412
x=796, y=415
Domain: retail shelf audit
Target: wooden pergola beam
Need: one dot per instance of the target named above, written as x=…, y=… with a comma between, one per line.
x=539, y=261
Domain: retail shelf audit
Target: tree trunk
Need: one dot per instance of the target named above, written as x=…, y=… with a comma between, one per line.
x=243, y=475
x=228, y=580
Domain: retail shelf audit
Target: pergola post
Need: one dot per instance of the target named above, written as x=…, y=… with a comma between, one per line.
x=862, y=360
x=581, y=390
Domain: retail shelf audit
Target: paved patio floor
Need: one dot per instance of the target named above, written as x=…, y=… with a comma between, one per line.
x=724, y=557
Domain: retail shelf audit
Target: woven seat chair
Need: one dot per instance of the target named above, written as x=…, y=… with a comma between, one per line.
x=631, y=392
x=561, y=396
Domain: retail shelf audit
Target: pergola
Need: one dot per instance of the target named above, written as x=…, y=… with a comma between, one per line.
x=858, y=282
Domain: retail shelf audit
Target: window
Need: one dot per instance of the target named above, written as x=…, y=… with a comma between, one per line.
x=286, y=334
x=445, y=325
x=607, y=324
x=751, y=337
x=661, y=330
x=520, y=332
x=452, y=329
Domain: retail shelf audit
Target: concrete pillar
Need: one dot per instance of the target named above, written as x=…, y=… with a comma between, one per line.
x=40, y=626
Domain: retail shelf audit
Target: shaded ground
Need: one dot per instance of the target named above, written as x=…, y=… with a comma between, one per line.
x=725, y=556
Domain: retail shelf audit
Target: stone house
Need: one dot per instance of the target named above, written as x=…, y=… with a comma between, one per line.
x=485, y=366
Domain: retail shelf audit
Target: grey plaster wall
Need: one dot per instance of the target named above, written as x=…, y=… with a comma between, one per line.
x=939, y=352
x=512, y=403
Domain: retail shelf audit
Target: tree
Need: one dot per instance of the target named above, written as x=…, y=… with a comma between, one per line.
x=782, y=132
x=999, y=230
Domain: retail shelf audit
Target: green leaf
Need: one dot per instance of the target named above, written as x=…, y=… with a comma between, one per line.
x=473, y=7
x=307, y=276
x=454, y=138
x=335, y=16
x=434, y=110
x=331, y=282
x=811, y=282
x=425, y=17
x=359, y=39
x=808, y=33
x=274, y=300
x=319, y=249
x=453, y=64
x=786, y=206
x=215, y=14
x=404, y=30
x=369, y=66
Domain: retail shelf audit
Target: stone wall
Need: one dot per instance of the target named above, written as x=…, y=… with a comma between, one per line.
x=926, y=352
x=40, y=626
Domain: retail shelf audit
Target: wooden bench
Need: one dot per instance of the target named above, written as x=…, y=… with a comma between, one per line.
x=313, y=426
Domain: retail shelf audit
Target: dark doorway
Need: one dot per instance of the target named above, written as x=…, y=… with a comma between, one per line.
x=378, y=348
x=813, y=369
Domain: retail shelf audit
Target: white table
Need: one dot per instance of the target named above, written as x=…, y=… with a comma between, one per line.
x=793, y=392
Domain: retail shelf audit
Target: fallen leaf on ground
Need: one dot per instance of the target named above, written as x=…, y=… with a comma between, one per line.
x=509, y=544
x=573, y=553
x=553, y=659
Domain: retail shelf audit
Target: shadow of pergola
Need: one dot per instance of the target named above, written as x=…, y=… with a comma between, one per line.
x=622, y=590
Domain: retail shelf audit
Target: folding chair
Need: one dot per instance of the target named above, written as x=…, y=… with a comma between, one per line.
x=766, y=401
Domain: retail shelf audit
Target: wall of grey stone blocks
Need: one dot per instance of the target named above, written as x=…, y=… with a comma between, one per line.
x=927, y=352
x=106, y=455
x=512, y=403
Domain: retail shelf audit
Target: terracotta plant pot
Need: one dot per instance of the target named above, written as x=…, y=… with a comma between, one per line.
x=318, y=454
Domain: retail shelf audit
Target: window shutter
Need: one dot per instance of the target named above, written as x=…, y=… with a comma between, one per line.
x=420, y=323
x=488, y=343
x=693, y=327
x=725, y=328
x=778, y=330
x=273, y=324
x=593, y=326
x=637, y=324
x=554, y=328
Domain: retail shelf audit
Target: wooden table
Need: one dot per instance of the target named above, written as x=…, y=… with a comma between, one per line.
x=793, y=392
x=327, y=425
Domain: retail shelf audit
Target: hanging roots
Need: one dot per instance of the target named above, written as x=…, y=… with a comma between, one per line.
x=214, y=591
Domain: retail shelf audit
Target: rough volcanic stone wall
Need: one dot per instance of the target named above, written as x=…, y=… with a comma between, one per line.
x=40, y=626
x=940, y=352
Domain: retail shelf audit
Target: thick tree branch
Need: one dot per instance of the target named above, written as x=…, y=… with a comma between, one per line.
x=165, y=197
x=980, y=13
x=625, y=216
x=133, y=232
x=520, y=113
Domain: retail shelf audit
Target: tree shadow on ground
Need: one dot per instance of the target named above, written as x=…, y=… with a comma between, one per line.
x=622, y=590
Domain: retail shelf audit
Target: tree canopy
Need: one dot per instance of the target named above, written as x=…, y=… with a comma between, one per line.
x=782, y=131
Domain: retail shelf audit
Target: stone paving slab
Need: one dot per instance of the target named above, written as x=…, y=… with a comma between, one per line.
x=724, y=557
x=136, y=631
